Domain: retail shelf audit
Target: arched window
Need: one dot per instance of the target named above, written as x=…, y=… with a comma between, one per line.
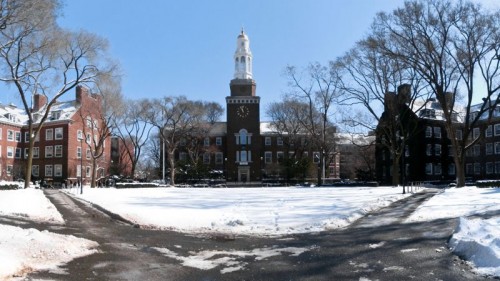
x=249, y=64
x=242, y=59
x=243, y=136
x=236, y=63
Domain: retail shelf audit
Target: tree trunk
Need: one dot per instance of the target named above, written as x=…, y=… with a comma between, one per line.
x=460, y=171
x=395, y=171
x=94, y=166
x=29, y=162
x=171, y=161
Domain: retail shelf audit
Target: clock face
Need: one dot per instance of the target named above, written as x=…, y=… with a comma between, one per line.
x=242, y=111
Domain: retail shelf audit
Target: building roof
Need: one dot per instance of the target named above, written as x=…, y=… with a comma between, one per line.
x=12, y=115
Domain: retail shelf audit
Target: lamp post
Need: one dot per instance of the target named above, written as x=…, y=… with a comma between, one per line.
x=81, y=166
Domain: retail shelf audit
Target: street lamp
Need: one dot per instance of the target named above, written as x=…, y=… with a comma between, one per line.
x=81, y=166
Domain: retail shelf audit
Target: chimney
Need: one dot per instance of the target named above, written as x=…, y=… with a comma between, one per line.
x=81, y=94
x=39, y=101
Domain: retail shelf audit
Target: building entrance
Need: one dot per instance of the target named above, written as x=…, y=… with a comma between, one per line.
x=244, y=174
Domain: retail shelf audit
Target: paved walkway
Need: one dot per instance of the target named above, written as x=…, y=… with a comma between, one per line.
x=377, y=247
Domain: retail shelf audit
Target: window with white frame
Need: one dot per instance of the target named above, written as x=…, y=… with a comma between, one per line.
x=87, y=171
x=428, y=150
x=18, y=153
x=490, y=168
x=497, y=167
x=489, y=148
x=475, y=133
x=437, y=132
x=316, y=157
x=18, y=136
x=451, y=151
x=49, y=134
x=459, y=134
x=58, y=133
x=87, y=138
x=477, y=150
x=36, y=152
x=87, y=153
x=428, y=132
x=219, y=158
x=489, y=131
x=48, y=170
x=79, y=135
x=477, y=168
x=437, y=150
x=497, y=129
x=268, y=157
x=243, y=156
x=218, y=141
x=35, y=170
x=451, y=169
x=206, y=141
x=58, y=170
x=206, y=158
x=78, y=152
x=26, y=136
x=437, y=169
x=10, y=152
x=49, y=151
x=280, y=156
x=10, y=135
x=279, y=141
x=243, y=138
x=267, y=141
x=428, y=168
x=9, y=170
x=497, y=147
x=58, y=150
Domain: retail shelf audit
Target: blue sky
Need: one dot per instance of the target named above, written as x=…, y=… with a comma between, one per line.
x=186, y=47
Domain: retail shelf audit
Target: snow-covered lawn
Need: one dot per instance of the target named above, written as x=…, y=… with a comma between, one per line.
x=477, y=240
x=24, y=250
x=254, y=211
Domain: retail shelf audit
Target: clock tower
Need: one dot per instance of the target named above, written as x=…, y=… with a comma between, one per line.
x=243, y=119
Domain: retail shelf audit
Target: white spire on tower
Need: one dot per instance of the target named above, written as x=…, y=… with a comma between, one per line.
x=243, y=57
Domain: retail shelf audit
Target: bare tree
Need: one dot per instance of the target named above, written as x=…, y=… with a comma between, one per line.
x=319, y=89
x=446, y=43
x=40, y=58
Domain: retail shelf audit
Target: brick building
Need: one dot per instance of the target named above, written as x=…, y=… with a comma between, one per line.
x=63, y=149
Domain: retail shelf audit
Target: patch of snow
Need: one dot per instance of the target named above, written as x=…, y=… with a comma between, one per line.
x=229, y=260
x=26, y=250
x=478, y=241
x=30, y=204
x=409, y=250
x=377, y=245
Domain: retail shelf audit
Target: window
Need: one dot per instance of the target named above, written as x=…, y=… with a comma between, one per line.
x=497, y=148
x=49, y=151
x=279, y=141
x=316, y=157
x=268, y=157
x=87, y=153
x=35, y=170
x=489, y=131
x=36, y=152
x=10, y=135
x=451, y=169
x=55, y=115
x=477, y=168
x=182, y=156
x=451, y=151
x=407, y=151
x=206, y=141
x=58, y=170
x=437, y=169
x=9, y=170
x=59, y=133
x=428, y=132
x=26, y=152
x=87, y=139
x=428, y=168
x=58, y=150
x=79, y=135
x=78, y=170
x=475, y=133
x=489, y=148
x=489, y=168
x=267, y=141
x=49, y=134
x=459, y=134
x=497, y=167
x=477, y=150
x=280, y=156
x=468, y=169
x=78, y=152
x=10, y=152
x=243, y=156
x=437, y=132
x=18, y=136
x=26, y=136
x=206, y=158
x=428, y=151
x=48, y=170
x=437, y=150
x=219, y=159
x=18, y=153
x=87, y=171
x=218, y=141
x=497, y=129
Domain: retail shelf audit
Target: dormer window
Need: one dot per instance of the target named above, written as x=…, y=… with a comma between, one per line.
x=11, y=117
x=428, y=113
x=55, y=115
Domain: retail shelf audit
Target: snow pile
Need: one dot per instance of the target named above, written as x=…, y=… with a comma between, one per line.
x=26, y=250
x=257, y=211
x=458, y=202
x=478, y=241
x=28, y=203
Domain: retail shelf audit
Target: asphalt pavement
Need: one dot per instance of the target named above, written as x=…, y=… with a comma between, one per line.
x=379, y=246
